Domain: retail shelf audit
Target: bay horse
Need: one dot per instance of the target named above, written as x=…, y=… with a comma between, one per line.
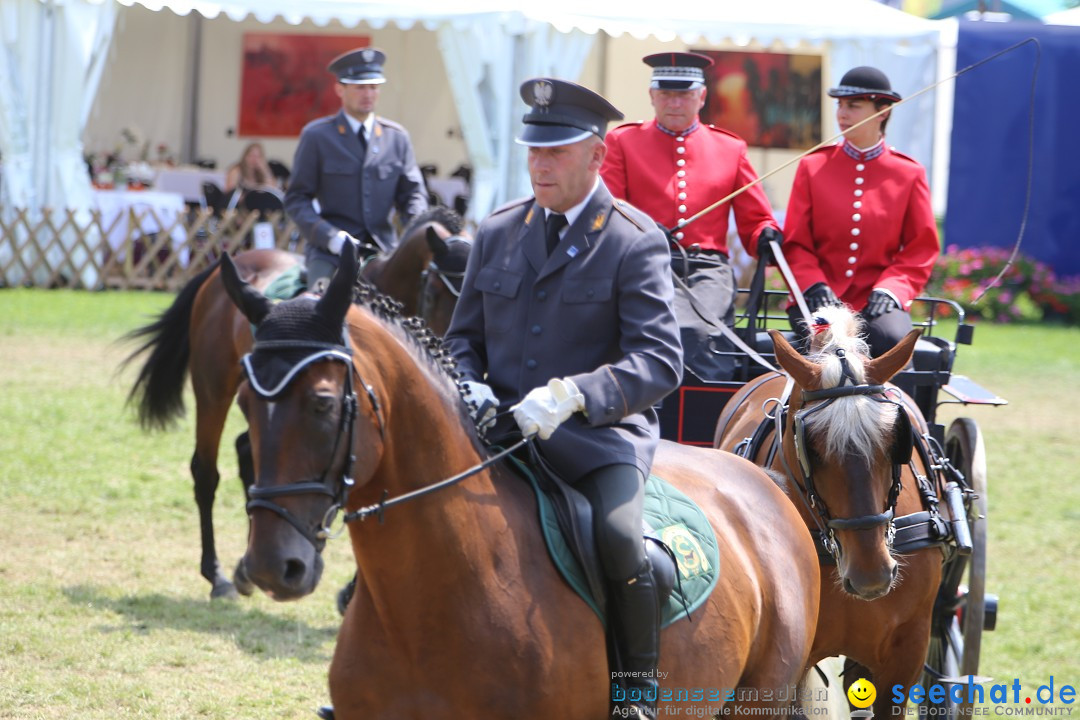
x=845, y=453
x=202, y=335
x=458, y=611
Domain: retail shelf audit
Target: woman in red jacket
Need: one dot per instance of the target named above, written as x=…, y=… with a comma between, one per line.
x=859, y=227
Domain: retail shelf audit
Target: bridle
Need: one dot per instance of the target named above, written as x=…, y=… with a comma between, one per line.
x=452, y=280
x=901, y=455
x=335, y=486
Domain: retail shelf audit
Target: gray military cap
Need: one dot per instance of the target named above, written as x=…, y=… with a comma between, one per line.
x=562, y=112
x=359, y=67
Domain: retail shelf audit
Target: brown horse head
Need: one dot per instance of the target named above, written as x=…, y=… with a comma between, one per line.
x=845, y=441
x=406, y=273
x=302, y=415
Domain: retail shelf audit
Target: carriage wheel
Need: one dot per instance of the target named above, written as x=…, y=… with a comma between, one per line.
x=960, y=612
x=965, y=449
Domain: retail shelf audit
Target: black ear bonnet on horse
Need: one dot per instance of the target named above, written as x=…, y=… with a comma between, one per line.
x=291, y=337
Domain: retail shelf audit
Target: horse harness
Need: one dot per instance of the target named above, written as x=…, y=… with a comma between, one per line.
x=904, y=534
x=336, y=487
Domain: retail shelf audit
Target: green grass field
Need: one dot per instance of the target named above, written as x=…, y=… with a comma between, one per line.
x=103, y=613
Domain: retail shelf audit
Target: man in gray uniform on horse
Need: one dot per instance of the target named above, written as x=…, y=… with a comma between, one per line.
x=566, y=317
x=358, y=166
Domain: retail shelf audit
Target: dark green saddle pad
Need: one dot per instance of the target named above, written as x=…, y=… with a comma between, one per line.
x=287, y=285
x=293, y=281
x=675, y=519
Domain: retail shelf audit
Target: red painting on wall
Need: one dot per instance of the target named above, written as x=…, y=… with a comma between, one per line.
x=284, y=84
x=768, y=99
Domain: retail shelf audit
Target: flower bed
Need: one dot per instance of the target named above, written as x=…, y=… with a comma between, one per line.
x=1029, y=289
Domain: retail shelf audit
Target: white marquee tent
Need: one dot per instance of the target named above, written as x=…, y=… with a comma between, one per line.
x=1065, y=17
x=54, y=53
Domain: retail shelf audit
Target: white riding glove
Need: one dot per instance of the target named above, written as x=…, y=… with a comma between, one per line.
x=544, y=409
x=481, y=401
x=338, y=241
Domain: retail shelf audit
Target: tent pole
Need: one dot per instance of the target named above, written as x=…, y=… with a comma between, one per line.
x=42, y=134
x=189, y=144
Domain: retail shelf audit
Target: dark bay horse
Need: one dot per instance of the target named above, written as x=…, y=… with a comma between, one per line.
x=203, y=335
x=853, y=446
x=458, y=611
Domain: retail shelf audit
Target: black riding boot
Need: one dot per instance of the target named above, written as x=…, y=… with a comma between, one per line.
x=635, y=621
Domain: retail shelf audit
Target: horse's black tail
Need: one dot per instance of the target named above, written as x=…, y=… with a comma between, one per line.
x=159, y=389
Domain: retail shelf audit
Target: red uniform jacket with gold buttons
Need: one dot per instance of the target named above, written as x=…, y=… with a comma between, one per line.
x=673, y=178
x=860, y=224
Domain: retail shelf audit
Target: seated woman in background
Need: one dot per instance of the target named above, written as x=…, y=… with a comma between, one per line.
x=252, y=172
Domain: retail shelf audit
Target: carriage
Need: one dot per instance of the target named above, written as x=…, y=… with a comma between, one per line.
x=962, y=609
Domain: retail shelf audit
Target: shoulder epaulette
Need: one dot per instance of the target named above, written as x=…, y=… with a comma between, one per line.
x=823, y=148
x=629, y=212
x=390, y=123
x=510, y=205
x=725, y=132
x=899, y=154
x=639, y=123
x=325, y=120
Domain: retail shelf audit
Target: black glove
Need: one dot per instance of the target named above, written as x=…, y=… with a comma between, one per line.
x=878, y=304
x=819, y=295
x=764, y=252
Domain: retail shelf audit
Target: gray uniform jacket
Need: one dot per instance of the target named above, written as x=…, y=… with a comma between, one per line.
x=356, y=190
x=598, y=311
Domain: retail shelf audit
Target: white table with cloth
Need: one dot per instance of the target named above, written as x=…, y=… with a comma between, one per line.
x=188, y=181
x=133, y=213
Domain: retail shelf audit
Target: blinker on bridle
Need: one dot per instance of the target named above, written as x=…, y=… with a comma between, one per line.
x=901, y=455
x=337, y=488
x=451, y=280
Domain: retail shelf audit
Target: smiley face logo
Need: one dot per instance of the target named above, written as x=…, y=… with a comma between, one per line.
x=862, y=693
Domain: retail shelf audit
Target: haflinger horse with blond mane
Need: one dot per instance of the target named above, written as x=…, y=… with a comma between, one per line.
x=459, y=611
x=842, y=439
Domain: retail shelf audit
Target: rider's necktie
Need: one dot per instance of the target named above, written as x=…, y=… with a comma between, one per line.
x=555, y=223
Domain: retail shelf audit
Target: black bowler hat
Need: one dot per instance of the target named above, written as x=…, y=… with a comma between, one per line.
x=865, y=82
x=677, y=70
x=359, y=67
x=562, y=112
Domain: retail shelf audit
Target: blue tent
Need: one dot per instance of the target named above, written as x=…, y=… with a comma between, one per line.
x=989, y=157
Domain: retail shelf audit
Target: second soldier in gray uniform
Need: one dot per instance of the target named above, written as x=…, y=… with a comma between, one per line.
x=359, y=167
x=566, y=317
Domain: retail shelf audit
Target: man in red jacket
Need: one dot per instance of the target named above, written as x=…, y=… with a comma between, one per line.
x=860, y=229
x=672, y=167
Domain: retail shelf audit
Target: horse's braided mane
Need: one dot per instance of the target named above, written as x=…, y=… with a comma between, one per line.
x=389, y=311
x=446, y=217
